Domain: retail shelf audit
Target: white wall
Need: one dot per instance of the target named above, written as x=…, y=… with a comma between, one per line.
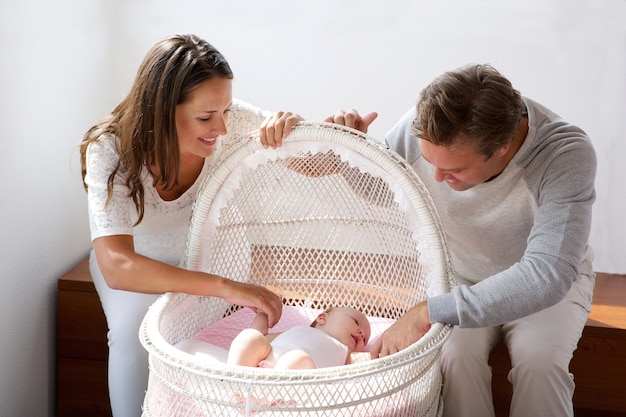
x=65, y=64
x=50, y=89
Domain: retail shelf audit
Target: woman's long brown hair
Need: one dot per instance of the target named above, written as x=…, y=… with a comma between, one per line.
x=144, y=122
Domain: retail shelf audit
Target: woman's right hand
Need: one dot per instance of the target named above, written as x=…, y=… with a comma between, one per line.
x=258, y=298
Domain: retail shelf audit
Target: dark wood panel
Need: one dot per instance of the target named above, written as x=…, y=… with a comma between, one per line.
x=500, y=386
x=599, y=368
x=81, y=347
x=82, y=388
x=81, y=326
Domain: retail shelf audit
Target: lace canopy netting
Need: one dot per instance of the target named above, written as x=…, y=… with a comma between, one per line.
x=331, y=218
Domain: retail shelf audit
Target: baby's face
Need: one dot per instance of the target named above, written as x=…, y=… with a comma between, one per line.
x=347, y=325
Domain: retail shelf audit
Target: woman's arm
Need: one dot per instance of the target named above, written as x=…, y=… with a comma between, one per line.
x=124, y=269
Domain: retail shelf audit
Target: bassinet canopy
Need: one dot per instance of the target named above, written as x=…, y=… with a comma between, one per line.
x=332, y=217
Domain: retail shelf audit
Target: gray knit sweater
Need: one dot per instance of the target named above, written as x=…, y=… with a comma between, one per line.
x=519, y=240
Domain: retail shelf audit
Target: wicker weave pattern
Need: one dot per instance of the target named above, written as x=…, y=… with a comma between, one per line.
x=330, y=218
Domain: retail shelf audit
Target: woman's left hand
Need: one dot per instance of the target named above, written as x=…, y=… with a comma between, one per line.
x=276, y=127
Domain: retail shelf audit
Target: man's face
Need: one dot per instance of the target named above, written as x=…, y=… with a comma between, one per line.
x=461, y=166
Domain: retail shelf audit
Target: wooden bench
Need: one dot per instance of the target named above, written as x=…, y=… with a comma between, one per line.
x=599, y=363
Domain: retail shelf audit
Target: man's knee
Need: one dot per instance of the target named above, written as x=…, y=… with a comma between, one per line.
x=456, y=355
x=540, y=362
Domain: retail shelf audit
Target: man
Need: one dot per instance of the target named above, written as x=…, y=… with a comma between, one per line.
x=514, y=185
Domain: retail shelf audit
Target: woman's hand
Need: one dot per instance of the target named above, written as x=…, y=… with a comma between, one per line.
x=353, y=119
x=276, y=127
x=407, y=330
x=258, y=298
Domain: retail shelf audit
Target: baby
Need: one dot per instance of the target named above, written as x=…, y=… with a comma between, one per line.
x=331, y=340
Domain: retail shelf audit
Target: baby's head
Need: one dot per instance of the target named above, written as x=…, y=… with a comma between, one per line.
x=346, y=324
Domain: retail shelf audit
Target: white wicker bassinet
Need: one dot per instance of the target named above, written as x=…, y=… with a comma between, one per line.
x=332, y=217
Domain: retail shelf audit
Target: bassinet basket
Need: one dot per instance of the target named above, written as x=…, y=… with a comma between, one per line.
x=332, y=217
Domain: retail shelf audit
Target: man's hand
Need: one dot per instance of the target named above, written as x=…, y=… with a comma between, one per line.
x=353, y=119
x=407, y=330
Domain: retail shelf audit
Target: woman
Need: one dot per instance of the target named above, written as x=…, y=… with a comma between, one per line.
x=142, y=167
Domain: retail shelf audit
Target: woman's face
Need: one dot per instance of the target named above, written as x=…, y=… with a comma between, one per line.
x=202, y=118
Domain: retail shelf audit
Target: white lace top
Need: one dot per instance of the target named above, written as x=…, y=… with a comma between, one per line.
x=162, y=233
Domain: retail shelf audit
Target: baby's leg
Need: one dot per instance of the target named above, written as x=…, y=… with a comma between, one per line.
x=248, y=348
x=295, y=359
